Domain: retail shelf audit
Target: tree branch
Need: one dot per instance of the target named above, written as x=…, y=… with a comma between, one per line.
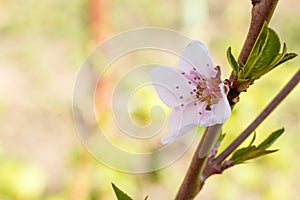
x=260, y=118
x=262, y=11
x=192, y=182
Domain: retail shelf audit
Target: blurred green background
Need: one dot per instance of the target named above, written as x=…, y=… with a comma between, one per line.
x=42, y=45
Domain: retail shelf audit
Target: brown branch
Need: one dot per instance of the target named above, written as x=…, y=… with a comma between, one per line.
x=192, y=182
x=260, y=118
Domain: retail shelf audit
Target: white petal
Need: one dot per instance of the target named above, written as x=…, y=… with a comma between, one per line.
x=172, y=88
x=219, y=112
x=197, y=56
x=182, y=120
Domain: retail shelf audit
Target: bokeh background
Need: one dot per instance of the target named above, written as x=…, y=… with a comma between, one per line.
x=42, y=46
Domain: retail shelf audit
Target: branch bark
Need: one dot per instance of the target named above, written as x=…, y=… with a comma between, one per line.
x=192, y=182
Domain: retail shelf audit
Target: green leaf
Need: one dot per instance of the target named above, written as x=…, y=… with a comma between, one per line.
x=278, y=57
x=253, y=139
x=241, y=155
x=265, y=50
x=286, y=57
x=263, y=57
x=255, y=51
x=232, y=61
x=221, y=137
x=247, y=153
x=251, y=152
x=271, y=139
x=120, y=194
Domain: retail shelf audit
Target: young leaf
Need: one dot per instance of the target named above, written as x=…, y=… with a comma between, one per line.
x=120, y=194
x=247, y=153
x=253, y=139
x=271, y=139
x=268, y=47
x=250, y=152
x=286, y=57
x=278, y=58
x=255, y=51
x=241, y=155
x=234, y=65
x=221, y=137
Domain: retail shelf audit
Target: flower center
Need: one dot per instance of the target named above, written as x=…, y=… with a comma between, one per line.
x=208, y=90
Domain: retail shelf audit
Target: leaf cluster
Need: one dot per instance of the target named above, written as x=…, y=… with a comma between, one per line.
x=264, y=56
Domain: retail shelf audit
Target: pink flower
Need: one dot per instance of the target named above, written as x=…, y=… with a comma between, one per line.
x=194, y=91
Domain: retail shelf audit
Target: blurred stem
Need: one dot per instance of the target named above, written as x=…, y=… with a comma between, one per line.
x=262, y=11
x=192, y=182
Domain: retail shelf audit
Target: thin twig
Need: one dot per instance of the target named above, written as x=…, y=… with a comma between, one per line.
x=260, y=118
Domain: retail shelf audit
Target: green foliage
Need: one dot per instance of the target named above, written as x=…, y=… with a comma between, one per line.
x=271, y=139
x=250, y=152
x=286, y=57
x=253, y=139
x=263, y=58
x=221, y=137
x=120, y=194
x=265, y=50
x=233, y=63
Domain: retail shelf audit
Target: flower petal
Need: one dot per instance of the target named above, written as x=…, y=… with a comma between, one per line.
x=183, y=120
x=219, y=112
x=172, y=88
x=196, y=56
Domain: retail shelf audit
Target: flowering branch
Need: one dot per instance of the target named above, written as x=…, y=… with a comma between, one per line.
x=262, y=11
